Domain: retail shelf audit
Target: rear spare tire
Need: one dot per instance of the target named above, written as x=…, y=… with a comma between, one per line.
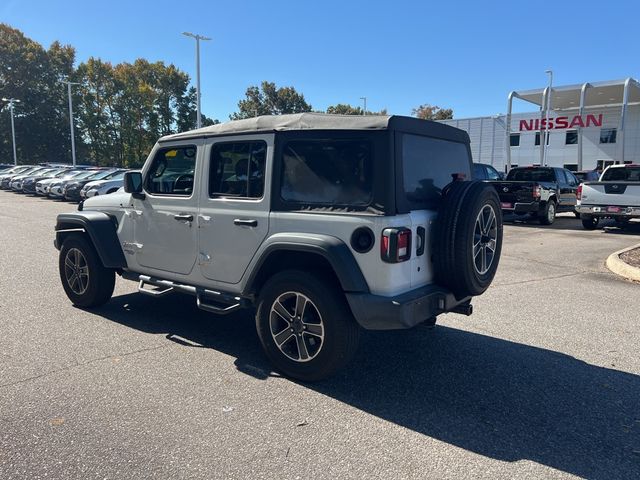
x=467, y=238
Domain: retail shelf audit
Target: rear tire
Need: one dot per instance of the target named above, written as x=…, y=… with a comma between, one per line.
x=85, y=280
x=548, y=213
x=468, y=238
x=305, y=325
x=590, y=223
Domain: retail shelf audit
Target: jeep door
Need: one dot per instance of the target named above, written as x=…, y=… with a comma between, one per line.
x=234, y=204
x=164, y=220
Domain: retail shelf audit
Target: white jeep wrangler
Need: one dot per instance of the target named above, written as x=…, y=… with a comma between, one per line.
x=325, y=223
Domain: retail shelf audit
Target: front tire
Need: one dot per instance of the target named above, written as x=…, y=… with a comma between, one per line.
x=305, y=325
x=85, y=280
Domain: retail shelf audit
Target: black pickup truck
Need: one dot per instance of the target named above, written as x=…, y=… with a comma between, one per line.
x=539, y=191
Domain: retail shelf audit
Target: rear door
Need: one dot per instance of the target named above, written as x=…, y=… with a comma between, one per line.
x=234, y=204
x=567, y=186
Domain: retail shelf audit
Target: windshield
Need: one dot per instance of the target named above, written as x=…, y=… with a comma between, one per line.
x=532, y=175
x=117, y=176
x=626, y=174
x=102, y=175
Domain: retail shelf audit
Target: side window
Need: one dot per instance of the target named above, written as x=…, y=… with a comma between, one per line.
x=492, y=173
x=573, y=181
x=237, y=169
x=172, y=171
x=327, y=172
x=479, y=172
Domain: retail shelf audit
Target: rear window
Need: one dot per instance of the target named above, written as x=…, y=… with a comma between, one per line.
x=531, y=175
x=430, y=164
x=327, y=172
x=626, y=174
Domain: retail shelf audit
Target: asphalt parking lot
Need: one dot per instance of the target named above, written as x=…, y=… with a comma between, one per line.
x=543, y=381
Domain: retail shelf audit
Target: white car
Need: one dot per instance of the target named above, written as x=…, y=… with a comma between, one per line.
x=103, y=187
x=42, y=186
x=616, y=195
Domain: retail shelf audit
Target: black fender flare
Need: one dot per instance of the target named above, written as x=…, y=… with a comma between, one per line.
x=332, y=249
x=101, y=230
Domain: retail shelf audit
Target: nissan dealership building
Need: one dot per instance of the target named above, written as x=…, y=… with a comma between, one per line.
x=587, y=126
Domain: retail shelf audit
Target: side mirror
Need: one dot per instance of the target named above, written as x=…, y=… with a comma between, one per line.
x=133, y=184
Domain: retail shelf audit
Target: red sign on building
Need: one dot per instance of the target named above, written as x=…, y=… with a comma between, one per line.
x=560, y=123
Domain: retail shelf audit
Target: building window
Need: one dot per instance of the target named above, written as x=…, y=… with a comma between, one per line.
x=537, y=140
x=571, y=137
x=514, y=139
x=608, y=135
x=572, y=167
x=602, y=164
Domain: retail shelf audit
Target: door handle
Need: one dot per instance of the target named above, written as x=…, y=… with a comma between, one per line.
x=245, y=222
x=183, y=217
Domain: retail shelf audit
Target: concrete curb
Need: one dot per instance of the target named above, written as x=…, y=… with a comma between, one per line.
x=620, y=267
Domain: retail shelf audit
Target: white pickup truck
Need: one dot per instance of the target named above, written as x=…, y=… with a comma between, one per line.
x=616, y=195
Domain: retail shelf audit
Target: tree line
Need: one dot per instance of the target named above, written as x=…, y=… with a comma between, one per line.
x=119, y=110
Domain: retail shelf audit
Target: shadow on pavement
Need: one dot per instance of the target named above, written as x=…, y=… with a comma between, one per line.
x=501, y=399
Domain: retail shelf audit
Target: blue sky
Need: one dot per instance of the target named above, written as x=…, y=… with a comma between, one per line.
x=464, y=55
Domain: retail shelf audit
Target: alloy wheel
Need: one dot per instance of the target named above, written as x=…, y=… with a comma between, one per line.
x=76, y=271
x=485, y=236
x=296, y=326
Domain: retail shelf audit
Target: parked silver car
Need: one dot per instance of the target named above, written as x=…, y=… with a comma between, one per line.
x=103, y=187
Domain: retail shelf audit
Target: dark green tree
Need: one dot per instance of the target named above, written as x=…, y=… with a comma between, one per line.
x=34, y=75
x=346, y=109
x=268, y=99
x=432, y=112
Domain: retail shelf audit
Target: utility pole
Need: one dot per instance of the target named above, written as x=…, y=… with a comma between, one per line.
x=12, y=102
x=364, y=112
x=546, y=125
x=73, y=139
x=197, y=38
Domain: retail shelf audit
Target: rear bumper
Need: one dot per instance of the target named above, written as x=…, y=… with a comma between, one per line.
x=523, y=207
x=604, y=211
x=375, y=312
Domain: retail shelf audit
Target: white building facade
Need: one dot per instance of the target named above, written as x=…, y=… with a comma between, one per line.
x=588, y=126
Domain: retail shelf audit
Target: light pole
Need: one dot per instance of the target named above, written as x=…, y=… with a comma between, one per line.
x=364, y=99
x=73, y=139
x=12, y=102
x=197, y=38
x=546, y=124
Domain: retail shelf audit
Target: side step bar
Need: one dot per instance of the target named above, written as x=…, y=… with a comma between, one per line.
x=208, y=300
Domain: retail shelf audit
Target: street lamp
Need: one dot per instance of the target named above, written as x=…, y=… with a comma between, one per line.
x=546, y=124
x=73, y=140
x=197, y=38
x=364, y=99
x=12, y=102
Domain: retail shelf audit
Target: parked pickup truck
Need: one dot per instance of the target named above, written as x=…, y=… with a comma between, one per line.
x=616, y=195
x=539, y=191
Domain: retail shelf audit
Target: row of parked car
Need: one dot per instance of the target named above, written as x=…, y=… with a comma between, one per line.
x=542, y=192
x=61, y=181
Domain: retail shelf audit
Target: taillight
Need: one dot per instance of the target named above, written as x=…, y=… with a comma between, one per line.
x=395, y=246
x=537, y=191
x=579, y=192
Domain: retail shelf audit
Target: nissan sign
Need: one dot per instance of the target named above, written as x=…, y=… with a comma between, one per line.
x=559, y=123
